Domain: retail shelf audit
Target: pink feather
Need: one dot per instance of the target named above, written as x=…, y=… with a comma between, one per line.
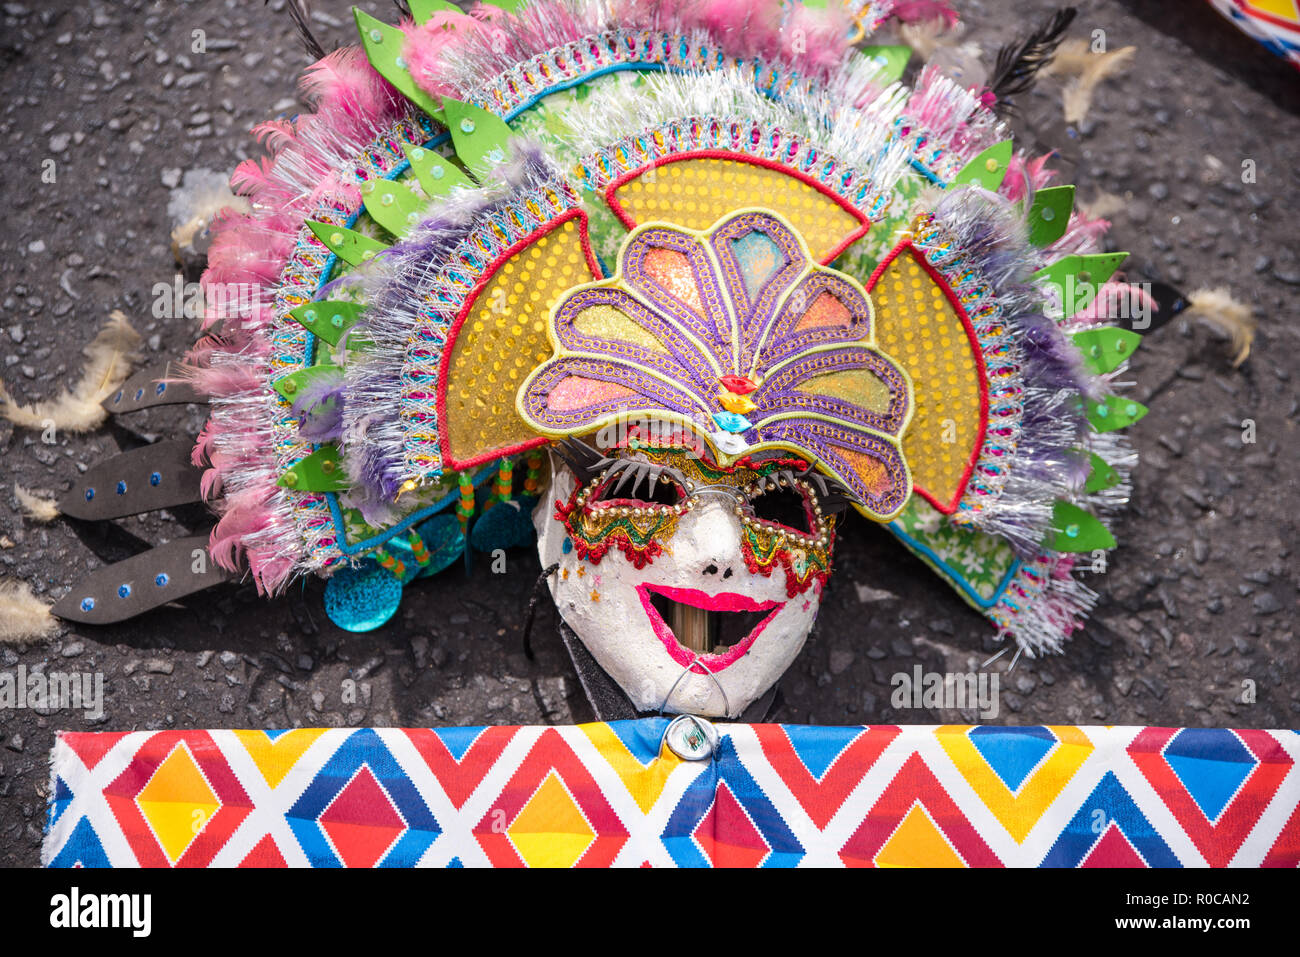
x=429, y=45
x=200, y=454
x=275, y=135
x=912, y=11
x=210, y=484
x=271, y=570
x=1116, y=300
x=817, y=39
x=1020, y=168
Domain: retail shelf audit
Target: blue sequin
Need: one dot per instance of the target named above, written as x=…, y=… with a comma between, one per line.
x=566, y=546
x=162, y=387
x=731, y=422
x=121, y=488
x=362, y=598
x=123, y=591
x=161, y=579
x=90, y=493
x=139, y=394
x=155, y=478
x=87, y=604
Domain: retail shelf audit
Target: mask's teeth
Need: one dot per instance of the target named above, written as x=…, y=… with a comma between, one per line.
x=690, y=627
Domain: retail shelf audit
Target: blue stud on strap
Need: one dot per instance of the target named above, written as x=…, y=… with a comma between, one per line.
x=87, y=604
x=161, y=580
x=121, y=488
x=90, y=493
x=155, y=478
x=123, y=591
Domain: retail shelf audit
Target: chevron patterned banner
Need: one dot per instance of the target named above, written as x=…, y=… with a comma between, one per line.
x=608, y=794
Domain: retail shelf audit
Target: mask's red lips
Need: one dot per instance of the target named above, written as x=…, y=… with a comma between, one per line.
x=728, y=602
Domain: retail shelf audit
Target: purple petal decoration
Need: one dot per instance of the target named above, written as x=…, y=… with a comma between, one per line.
x=744, y=303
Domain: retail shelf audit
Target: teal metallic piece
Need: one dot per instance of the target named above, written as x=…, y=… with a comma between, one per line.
x=505, y=525
x=362, y=597
x=444, y=541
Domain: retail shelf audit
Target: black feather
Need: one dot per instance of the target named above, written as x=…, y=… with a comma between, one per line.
x=403, y=8
x=1018, y=62
x=301, y=16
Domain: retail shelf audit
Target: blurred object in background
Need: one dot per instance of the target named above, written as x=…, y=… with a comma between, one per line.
x=193, y=205
x=1274, y=23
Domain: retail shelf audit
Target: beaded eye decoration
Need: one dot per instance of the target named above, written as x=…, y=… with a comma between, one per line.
x=634, y=499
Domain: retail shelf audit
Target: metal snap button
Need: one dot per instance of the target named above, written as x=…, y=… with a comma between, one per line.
x=691, y=738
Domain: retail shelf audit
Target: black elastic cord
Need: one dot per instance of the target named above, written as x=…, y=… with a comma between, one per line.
x=532, y=608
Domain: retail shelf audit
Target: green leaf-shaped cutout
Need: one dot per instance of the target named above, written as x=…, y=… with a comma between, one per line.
x=327, y=320
x=291, y=386
x=509, y=6
x=1114, y=413
x=480, y=135
x=391, y=205
x=1102, y=475
x=434, y=172
x=422, y=10
x=383, y=46
x=988, y=169
x=1077, y=278
x=348, y=244
x=1074, y=530
x=1104, y=349
x=1050, y=214
x=322, y=471
x=891, y=60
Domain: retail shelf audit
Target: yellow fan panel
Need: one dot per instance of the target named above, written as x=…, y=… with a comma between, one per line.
x=503, y=339
x=919, y=329
x=858, y=386
x=606, y=322
x=696, y=193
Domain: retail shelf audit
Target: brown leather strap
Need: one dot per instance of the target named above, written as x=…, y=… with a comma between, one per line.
x=147, y=388
x=153, y=476
x=128, y=588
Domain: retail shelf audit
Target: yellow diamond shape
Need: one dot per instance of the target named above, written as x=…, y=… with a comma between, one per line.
x=177, y=802
x=549, y=830
x=917, y=843
x=276, y=758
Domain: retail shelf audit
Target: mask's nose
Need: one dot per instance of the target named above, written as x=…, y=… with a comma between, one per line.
x=716, y=530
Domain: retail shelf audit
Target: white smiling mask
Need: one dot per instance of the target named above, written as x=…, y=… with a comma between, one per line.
x=694, y=620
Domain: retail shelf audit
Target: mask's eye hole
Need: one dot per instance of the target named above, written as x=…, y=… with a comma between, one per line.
x=651, y=490
x=786, y=506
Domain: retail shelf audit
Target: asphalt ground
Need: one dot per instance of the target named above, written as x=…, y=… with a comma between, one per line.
x=1198, y=603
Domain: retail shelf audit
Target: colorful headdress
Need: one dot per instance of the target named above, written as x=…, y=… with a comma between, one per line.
x=499, y=230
